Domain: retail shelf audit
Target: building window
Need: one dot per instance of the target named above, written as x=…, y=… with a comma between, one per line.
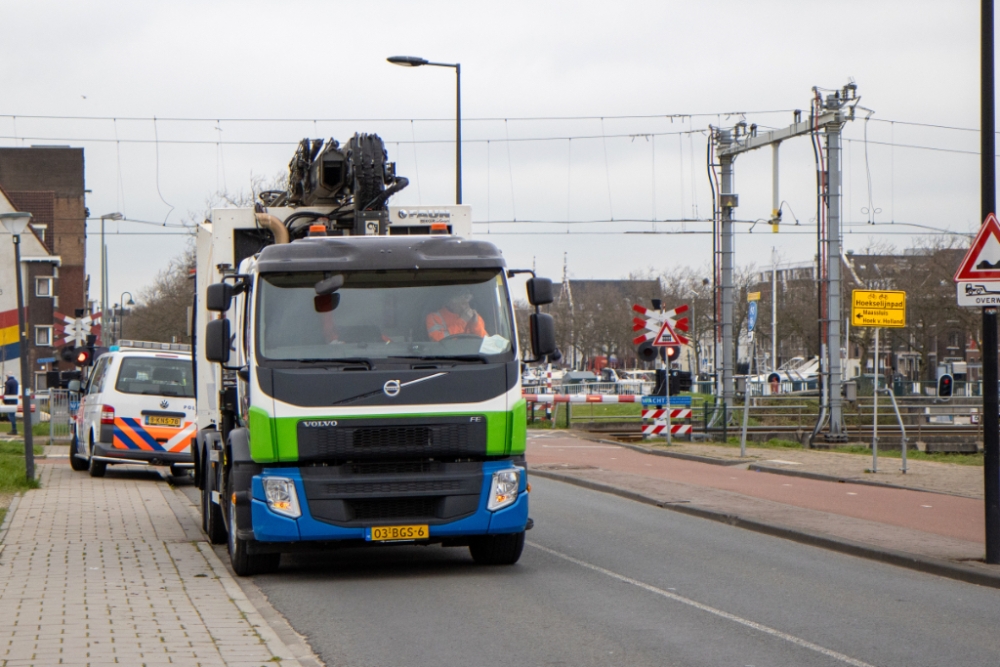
x=43, y=286
x=43, y=336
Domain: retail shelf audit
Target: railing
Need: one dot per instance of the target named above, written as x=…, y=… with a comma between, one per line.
x=57, y=408
x=619, y=388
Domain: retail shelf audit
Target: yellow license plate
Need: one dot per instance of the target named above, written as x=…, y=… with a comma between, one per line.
x=153, y=420
x=387, y=533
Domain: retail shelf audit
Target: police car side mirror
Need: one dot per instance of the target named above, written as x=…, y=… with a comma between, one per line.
x=217, y=340
x=539, y=291
x=74, y=386
x=543, y=335
x=219, y=296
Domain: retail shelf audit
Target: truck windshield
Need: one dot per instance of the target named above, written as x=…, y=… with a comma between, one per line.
x=458, y=314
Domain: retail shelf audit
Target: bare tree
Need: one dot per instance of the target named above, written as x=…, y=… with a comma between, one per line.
x=162, y=313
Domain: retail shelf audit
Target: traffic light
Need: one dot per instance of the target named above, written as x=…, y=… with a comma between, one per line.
x=68, y=353
x=672, y=352
x=945, y=386
x=647, y=352
x=84, y=356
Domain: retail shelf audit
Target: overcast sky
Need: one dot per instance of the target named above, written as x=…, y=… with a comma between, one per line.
x=295, y=67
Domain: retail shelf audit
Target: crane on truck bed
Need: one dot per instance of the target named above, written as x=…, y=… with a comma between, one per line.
x=358, y=370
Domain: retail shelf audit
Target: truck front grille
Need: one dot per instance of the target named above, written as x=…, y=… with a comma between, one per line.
x=438, y=493
x=414, y=437
x=384, y=509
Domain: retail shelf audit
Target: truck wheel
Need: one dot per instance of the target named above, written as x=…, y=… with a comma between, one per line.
x=75, y=462
x=96, y=468
x=211, y=514
x=245, y=563
x=497, y=549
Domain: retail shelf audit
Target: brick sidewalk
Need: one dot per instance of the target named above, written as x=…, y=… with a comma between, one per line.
x=116, y=571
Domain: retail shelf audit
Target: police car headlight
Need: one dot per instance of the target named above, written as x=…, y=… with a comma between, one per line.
x=503, y=490
x=281, y=496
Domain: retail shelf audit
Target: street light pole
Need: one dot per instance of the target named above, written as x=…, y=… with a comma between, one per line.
x=413, y=61
x=104, y=270
x=121, y=314
x=16, y=223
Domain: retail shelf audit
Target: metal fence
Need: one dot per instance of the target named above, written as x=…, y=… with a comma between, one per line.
x=57, y=409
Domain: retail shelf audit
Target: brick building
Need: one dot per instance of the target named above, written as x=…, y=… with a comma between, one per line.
x=47, y=182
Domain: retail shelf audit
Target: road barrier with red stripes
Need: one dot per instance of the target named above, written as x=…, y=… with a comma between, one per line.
x=661, y=421
x=580, y=398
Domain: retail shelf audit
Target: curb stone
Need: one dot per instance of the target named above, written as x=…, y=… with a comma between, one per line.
x=936, y=566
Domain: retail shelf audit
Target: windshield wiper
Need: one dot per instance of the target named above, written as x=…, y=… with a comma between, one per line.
x=447, y=357
x=341, y=361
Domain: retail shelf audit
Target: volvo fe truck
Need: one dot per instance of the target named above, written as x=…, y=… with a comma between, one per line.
x=358, y=370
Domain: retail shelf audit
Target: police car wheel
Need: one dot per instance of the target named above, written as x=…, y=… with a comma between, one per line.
x=96, y=468
x=76, y=462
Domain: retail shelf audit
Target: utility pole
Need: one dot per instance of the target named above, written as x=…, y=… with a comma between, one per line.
x=991, y=396
x=728, y=200
x=829, y=116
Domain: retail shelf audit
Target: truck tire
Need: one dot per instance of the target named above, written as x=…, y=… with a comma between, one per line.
x=497, y=549
x=75, y=462
x=245, y=563
x=211, y=514
x=96, y=468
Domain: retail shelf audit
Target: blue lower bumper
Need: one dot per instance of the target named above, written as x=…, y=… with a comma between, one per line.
x=269, y=526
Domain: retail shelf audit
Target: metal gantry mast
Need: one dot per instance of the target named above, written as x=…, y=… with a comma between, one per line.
x=828, y=116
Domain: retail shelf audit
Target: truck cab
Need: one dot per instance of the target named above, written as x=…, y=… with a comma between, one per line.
x=359, y=390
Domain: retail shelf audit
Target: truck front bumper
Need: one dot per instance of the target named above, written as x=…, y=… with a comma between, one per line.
x=272, y=527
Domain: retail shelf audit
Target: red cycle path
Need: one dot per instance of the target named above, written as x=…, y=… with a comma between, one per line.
x=949, y=516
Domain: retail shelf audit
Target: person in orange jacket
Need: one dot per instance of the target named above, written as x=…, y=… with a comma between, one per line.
x=456, y=317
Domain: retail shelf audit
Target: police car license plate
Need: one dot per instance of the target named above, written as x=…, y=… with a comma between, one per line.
x=156, y=420
x=389, y=533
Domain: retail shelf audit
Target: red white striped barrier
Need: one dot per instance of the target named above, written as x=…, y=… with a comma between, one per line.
x=580, y=398
x=676, y=413
x=660, y=427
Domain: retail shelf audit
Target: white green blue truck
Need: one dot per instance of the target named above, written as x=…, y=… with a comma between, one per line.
x=332, y=411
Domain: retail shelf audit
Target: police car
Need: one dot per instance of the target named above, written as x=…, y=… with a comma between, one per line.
x=137, y=407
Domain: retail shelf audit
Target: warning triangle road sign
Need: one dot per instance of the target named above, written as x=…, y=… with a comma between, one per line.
x=666, y=337
x=982, y=262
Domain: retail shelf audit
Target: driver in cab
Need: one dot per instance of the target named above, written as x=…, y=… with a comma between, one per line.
x=456, y=317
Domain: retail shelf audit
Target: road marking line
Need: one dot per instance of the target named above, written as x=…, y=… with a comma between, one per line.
x=580, y=447
x=706, y=608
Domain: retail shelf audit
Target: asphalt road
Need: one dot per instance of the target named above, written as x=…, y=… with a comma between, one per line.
x=607, y=581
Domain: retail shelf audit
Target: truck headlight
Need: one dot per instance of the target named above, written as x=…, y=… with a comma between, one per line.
x=503, y=490
x=281, y=496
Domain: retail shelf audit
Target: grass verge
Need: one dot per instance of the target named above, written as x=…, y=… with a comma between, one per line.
x=12, y=471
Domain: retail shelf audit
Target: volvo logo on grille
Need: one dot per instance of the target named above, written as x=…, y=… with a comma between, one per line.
x=391, y=388
x=319, y=423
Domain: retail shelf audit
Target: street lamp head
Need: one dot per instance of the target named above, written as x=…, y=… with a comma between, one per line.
x=15, y=222
x=112, y=216
x=407, y=61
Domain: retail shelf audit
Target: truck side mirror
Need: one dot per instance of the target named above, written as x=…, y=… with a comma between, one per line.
x=219, y=296
x=217, y=340
x=539, y=291
x=543, y=334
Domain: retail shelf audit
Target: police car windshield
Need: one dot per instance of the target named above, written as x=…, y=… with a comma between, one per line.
x=158, y=376
x=381, y=314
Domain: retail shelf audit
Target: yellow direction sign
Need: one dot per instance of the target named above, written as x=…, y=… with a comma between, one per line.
x=753, y=296
x=882, y=308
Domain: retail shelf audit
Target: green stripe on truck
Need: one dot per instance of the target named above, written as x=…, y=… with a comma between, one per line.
x=274, y=440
